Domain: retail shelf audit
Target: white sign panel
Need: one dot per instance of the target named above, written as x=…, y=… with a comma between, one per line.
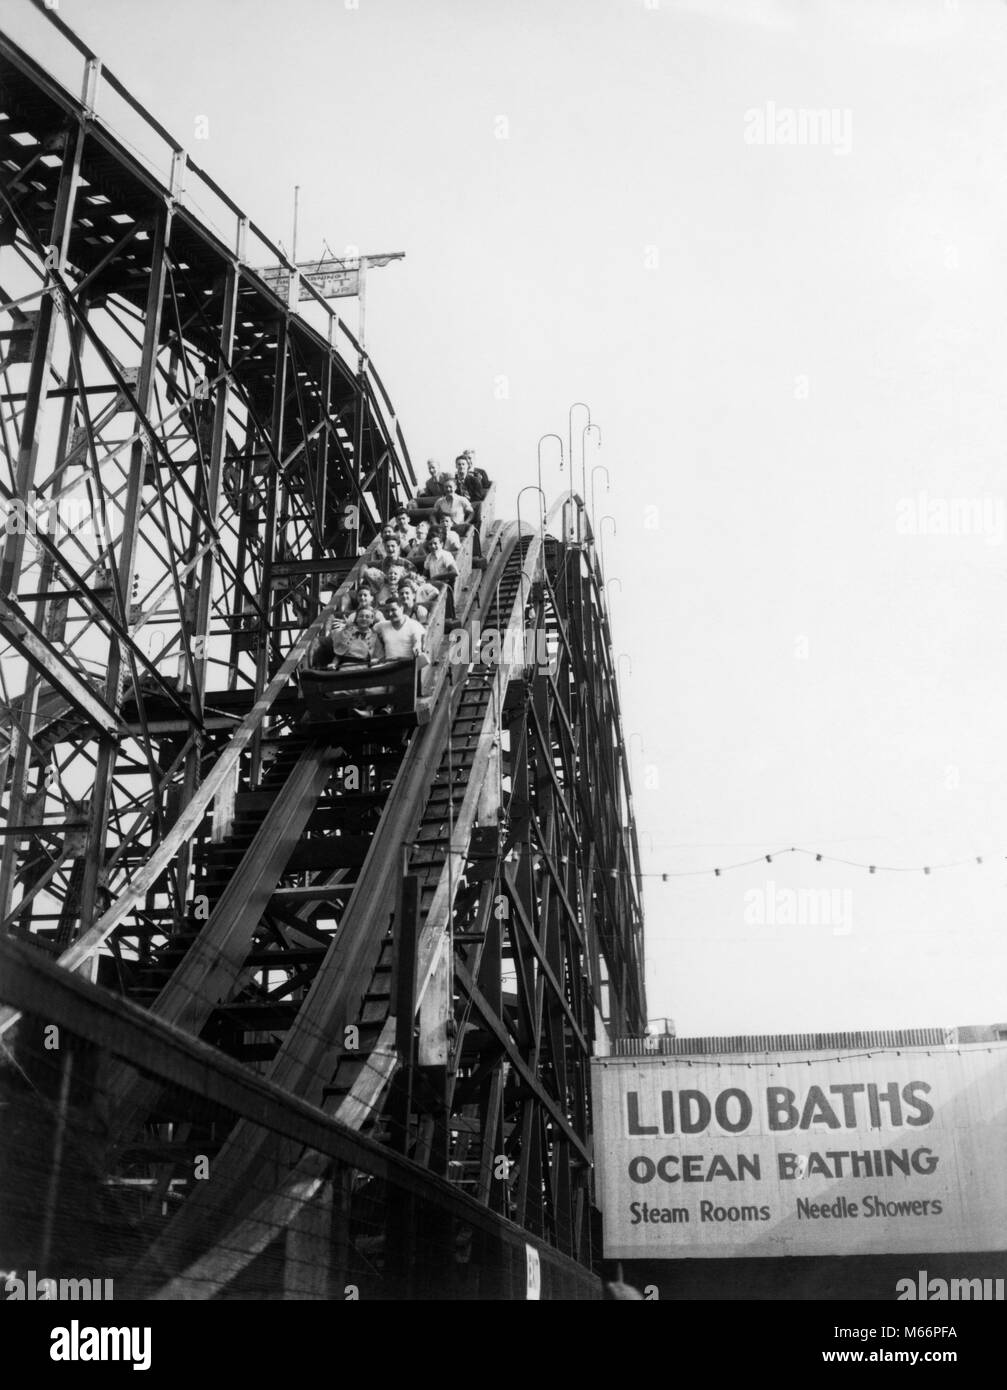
x=772, y=1154
x=534, y=1274
x=332, y=280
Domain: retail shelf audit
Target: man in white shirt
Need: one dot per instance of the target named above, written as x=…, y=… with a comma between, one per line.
x=452, y=505
x=399, y=637
x=439, y=568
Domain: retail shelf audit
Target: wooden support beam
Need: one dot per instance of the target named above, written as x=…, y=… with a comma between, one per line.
x=35, y=647
x=528, y=1076
x=192, y=815
x=215, y=965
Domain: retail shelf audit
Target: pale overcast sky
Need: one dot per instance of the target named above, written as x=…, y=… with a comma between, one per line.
x=782, y=342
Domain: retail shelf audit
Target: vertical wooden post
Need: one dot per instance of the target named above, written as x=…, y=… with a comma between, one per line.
x=342, y=1208
x=52, y=1192
x=404, y=996
x=401, y=1226
x=101, y=797
x=269, y=537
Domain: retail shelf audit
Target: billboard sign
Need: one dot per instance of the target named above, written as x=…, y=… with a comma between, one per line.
x=332, y=280
x=884, y=1152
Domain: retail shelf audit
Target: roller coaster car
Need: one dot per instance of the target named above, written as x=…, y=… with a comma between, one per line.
x=420, y=511
x=355, y=692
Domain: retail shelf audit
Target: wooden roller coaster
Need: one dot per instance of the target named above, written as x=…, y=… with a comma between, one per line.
x=400, y=903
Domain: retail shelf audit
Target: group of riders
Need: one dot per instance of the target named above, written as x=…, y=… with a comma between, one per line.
x=384, y=618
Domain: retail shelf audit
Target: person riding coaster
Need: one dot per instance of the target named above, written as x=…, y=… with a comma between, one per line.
x=364, y=654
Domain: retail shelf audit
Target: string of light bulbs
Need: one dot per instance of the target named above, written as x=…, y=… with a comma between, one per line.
x=785, y=1059
x=717, y=871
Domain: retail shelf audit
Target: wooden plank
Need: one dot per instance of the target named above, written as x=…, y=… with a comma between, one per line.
x=214, y=966
x=40, y=986
x=335, y=995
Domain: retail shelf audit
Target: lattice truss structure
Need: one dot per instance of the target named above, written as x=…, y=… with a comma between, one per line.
x=420, y=923
x=183, y=457
x=547, y=931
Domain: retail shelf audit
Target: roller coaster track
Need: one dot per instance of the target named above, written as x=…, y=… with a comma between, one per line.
x=420, y=923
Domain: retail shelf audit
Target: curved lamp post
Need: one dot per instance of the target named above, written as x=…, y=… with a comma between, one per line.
x=583, y=455
x=599, y=468
x=586, y=407
x=531, y=487
x=583, y=498
x=601, y=537
x=559, y=441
